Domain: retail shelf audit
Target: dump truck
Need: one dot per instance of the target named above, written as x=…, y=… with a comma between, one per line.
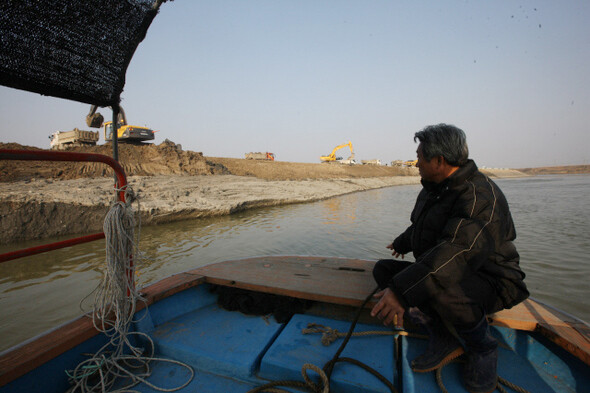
x=125, y=132
x=371, y=162
x=62, y=140
x=260, y=156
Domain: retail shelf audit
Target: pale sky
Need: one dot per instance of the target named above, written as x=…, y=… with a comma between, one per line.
x=298, y=78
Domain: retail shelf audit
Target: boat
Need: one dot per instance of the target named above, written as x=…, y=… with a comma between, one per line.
x=300, y=323
x=541, y=349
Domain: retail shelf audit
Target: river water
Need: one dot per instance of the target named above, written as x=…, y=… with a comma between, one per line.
x=551, y=213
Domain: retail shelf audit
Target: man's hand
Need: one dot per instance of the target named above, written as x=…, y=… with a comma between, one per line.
x=388, y=308
x=394, y=253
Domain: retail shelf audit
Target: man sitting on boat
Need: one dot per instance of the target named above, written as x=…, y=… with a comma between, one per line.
x=466, y=265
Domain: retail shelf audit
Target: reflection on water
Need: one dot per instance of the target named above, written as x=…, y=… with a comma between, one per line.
x=552, y=216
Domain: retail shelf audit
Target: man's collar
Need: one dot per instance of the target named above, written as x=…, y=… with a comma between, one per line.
x=457, y=177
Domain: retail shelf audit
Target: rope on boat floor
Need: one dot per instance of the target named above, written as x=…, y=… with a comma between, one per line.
x=119, y=364
x=330, y=335
x=499, y=387
x=326, y=372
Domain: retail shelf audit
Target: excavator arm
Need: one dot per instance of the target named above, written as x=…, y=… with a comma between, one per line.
x=95, y=120
x=332, y=156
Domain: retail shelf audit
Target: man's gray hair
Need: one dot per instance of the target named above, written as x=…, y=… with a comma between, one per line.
x=444, y=140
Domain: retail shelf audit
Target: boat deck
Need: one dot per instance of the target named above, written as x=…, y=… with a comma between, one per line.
x=349, y=281
x=234, y=352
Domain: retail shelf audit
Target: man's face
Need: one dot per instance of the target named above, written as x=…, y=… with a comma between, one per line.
x=428, y=169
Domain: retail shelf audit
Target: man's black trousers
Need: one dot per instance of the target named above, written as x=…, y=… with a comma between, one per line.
x=463, y=305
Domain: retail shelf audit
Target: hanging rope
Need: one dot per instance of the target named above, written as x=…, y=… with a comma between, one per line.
x=119, y=365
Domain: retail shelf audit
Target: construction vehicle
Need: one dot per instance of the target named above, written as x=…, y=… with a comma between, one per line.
x=125, y=132
x=371, y=162
x=332, y=156
x=63, y=140
x=411, y=163
x=260, y=156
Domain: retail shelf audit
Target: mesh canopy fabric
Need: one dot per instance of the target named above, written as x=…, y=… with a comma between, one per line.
x=73, y=49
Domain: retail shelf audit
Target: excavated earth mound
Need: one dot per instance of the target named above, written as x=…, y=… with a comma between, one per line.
x=139, y=160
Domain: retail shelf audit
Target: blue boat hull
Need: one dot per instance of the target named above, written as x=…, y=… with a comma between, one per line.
x=230, y=351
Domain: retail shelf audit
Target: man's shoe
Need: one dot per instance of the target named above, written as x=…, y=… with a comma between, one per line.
x=443, y=347
x=479, y=373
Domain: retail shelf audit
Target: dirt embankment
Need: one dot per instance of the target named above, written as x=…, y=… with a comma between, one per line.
x=557, y=170
x=44, y=199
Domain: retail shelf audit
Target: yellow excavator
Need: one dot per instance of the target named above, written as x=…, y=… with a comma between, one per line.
x=411, y=163
x=332, y=156
x=125, y=132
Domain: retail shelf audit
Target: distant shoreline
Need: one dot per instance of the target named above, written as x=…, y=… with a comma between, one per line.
x=557, y=170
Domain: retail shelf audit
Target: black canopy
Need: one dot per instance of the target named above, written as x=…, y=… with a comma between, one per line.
x=74, y=49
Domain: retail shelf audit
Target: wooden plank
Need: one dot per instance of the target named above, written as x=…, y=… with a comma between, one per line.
x=33, y=354
x=571, y=338
x=563, y=329
x=332, y=280
x=528, y=314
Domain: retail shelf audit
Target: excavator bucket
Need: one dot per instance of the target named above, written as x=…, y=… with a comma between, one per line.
x=95, y=120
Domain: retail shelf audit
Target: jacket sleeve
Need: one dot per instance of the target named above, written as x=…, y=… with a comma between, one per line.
x=403, y=243
x=465, y=243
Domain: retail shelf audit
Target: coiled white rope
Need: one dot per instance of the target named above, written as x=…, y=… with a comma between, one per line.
x=119, y=365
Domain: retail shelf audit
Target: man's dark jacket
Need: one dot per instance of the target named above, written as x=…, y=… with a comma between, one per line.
x=460, y=227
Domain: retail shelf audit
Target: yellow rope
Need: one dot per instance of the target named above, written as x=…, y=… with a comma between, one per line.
x=499, y=387
x=330, y=335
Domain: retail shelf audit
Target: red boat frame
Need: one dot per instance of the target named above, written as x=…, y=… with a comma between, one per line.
x=41, y=155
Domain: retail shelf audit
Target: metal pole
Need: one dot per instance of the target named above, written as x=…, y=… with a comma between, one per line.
x=115, y=140
x=115, y=132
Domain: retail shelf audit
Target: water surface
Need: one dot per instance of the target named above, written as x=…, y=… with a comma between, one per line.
x=551, y=213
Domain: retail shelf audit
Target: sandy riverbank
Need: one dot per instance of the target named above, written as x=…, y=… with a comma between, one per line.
x=46, y=208
x=39, y=200
x=39, y=208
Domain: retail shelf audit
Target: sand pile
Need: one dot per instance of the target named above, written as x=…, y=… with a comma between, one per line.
x=140, y=160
